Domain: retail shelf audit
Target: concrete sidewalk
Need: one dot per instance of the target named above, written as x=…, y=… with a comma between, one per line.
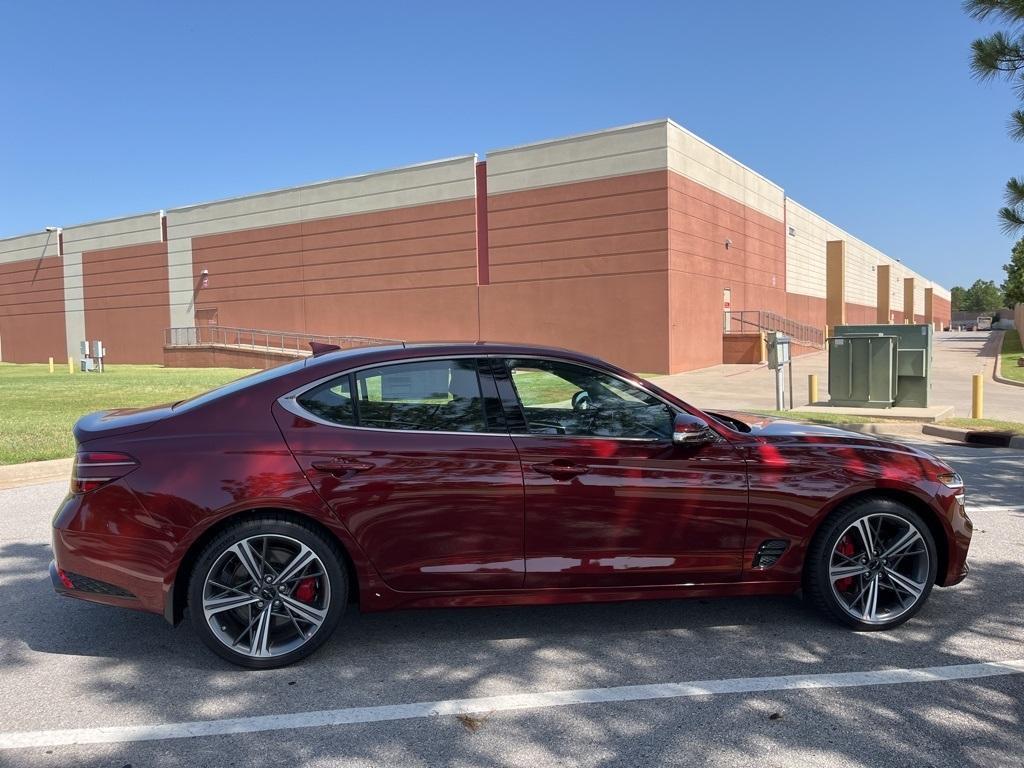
x=957, y=356
x=34, y=473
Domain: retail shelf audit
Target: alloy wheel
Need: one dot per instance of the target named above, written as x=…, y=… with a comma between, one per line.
x=878, y=568
x=266, y=596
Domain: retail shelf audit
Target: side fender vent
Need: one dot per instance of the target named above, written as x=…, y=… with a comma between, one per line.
x=769, y=553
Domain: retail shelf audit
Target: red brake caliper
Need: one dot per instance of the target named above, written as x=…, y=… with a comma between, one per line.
x=305, y=590
x=845, y=548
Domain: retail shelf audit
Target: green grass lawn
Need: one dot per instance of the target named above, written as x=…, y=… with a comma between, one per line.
x=1011, y=350
x=38, y=408
x=985, y=425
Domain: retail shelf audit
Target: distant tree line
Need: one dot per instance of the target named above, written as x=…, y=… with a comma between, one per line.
x=983, y=296
x=986, y=296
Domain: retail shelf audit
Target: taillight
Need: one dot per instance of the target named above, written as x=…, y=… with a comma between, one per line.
x=93, y=469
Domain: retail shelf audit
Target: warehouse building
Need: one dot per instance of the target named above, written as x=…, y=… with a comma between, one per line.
x=643, y=244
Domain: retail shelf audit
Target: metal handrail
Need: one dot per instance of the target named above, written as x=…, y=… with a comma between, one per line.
x=259, y=338
x=750, y=320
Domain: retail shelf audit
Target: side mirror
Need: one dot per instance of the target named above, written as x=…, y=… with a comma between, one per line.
x=690, y=430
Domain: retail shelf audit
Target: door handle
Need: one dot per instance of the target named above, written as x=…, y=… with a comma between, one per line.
x=341, y=466
x=561, y=470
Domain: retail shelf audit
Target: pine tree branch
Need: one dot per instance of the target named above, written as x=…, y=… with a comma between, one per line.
x=1005, y=10
x=1011, y=220
x=1013, y=195
x=996, y=56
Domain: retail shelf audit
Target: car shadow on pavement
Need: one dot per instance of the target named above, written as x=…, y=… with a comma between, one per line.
x=135, y=663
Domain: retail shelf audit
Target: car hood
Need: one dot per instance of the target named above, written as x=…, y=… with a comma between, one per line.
x=770, y=429
x=118, y=421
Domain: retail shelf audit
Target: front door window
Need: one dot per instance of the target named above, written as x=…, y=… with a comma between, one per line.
x=565, y=399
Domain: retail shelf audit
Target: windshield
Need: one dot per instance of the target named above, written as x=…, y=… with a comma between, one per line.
x=237, y=385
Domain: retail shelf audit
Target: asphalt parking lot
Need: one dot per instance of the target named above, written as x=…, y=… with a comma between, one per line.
x=67, y=665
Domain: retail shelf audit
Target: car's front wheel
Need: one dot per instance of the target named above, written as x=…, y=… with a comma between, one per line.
x=872, y=564
x=267, y=591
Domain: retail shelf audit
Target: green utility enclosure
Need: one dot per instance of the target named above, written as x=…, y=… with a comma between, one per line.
x=879, y=366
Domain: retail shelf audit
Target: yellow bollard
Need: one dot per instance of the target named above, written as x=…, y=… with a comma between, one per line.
x=51, y=365
x=71, y=365
x=978, y=397
x=812, y=388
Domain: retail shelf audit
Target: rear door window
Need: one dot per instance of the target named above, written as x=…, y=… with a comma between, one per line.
x=431, y=395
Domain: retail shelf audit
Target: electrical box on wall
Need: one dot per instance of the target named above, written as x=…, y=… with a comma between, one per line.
x=93, y=353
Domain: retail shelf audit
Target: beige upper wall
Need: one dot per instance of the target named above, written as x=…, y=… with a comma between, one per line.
x=113, y=233
x=398, y=188
x=805, y=262
x=25, y=247
x=655, y=146
x=692, y=157
x=616, y=152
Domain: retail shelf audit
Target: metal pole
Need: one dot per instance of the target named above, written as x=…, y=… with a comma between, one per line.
x=780, y=389
x=790, y=366
x=978, y=396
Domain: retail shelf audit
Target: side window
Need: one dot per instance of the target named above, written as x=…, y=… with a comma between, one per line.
x=331, y=401
x=434, y=395
x=567, y=399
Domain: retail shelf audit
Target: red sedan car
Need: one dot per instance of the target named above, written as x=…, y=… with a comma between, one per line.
x=484, y=474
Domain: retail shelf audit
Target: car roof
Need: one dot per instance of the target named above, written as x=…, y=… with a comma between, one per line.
x=390, y=352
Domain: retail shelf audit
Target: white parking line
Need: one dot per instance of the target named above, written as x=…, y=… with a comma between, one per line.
x=116, y=734
x=994, y=508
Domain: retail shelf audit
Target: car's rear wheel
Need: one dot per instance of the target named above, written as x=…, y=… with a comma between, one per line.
x=267, y=592
x=872, y=565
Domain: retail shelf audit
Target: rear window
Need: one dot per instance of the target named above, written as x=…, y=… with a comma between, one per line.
x=252, y=380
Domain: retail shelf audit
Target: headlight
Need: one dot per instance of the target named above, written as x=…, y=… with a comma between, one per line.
x=952, y=480
x=956, y=483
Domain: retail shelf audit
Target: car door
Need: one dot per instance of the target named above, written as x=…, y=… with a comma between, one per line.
x=610, y=500
x=415, y=459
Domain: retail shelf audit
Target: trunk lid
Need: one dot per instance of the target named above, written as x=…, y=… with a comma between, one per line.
x=118, y=421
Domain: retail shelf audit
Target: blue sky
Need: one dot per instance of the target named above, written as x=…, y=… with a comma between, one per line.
x=864, y=112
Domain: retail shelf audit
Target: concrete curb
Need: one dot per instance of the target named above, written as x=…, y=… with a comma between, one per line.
x=34, y=473
x=996, y=376
x=902, y=414
x=906, y=428
x=976, y=437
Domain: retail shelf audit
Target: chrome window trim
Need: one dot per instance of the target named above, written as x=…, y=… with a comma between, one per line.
x=546, y=436
x=289, y=400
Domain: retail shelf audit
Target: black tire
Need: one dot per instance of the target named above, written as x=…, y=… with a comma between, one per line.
x=270, y=525
x=818, y=587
